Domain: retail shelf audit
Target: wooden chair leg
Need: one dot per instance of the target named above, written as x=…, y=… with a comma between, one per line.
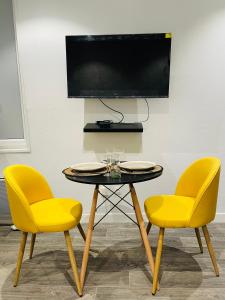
x=148, y=228
x=210, y=248
x=81, y=231
x=33, y=238
x=197, y=232
x=157, y=260
x=20, y=257
x=73, y=261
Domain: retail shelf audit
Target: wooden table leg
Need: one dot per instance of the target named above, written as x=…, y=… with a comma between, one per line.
x=141, y=224
x=88, y=237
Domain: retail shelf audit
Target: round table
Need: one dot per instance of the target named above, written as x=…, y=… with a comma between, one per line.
x=125, y=178
x=106, y=180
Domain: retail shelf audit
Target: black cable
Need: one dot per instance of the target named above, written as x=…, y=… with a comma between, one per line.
x=146, y=101
x=113, y=110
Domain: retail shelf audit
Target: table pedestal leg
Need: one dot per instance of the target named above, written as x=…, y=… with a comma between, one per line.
x=88, y=237
x=142, y=229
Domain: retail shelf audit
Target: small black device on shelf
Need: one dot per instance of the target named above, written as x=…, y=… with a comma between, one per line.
x=104, y=123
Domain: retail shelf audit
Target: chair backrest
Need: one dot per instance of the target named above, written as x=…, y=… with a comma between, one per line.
x=25, y=186
x=201, y=181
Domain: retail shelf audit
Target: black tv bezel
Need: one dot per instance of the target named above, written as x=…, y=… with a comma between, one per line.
x=152, y=36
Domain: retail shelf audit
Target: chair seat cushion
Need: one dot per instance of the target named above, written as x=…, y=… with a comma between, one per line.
x=56, y=214
x=169, y=210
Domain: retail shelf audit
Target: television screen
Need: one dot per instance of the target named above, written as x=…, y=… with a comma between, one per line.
x=114, y=66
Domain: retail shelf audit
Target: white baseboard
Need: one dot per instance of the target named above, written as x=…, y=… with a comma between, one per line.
x=110, y=218
x=220, y=218
x=120, y=218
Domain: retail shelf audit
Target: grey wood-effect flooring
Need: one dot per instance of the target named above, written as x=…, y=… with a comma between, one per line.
x=119, y=270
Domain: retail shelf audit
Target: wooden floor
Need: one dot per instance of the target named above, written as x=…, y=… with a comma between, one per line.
x=119, y=271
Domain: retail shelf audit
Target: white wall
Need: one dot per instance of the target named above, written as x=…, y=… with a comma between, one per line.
x=188, y=125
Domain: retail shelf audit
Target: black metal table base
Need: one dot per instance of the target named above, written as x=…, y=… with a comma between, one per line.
x=114, y=205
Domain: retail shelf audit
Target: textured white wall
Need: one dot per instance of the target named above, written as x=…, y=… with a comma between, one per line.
x=188, y=125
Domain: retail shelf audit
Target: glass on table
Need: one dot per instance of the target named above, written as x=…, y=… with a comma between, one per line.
x=115, y=169
x=112, y=160
x=107, y=159
x=115, y=159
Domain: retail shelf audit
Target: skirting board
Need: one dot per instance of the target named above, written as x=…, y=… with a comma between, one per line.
x=120, y=218
x=220, y=218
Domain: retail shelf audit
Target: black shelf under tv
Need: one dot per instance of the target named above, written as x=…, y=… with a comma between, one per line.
x=114, y=127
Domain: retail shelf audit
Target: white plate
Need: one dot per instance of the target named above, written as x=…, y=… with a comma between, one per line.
x=86, y=174
x=137, y=172
x=87, y=167
x=137, y=165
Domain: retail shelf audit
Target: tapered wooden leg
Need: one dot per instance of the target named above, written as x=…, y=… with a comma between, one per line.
x=148, y=227
x=73, y=261
x=33, y=238
x=141, y=224
x=210, y=248
x=84, y=237
x=81, y=231
x=88, y=237
x=157, y=260
x=20, y=257
x=197, y=232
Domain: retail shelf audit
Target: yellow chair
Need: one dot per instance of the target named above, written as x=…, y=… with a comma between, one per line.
x=34, y=209
x=193, y=205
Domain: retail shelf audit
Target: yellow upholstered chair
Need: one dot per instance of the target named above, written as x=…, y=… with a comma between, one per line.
x=34, y=209
x=193, y=205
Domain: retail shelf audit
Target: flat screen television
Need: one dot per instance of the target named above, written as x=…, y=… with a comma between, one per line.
x=118, y=66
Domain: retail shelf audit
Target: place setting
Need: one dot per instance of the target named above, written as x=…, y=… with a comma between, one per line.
x=111, y=166
x=137, y=167
x=87, y=169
